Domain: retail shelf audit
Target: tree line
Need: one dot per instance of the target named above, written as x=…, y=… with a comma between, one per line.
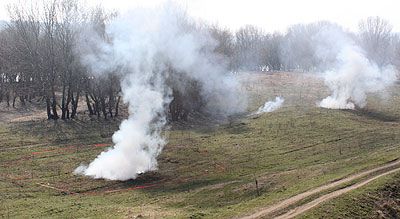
x=39, y=59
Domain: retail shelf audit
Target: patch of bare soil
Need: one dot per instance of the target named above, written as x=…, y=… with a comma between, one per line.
x=19, y=113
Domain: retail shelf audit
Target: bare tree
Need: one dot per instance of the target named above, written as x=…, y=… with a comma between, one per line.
x=72, y=72
x=298, y=48
x=23, y=54
x=376, y=39
x=247, y=48
x=102, y=91
x=225, y=44
x=272, y=52
x=37, y=52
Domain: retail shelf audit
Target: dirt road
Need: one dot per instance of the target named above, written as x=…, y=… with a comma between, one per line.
x=268, y=211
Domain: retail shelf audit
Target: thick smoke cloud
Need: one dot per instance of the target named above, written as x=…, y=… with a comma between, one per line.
x=350, y=76
x=150, y=47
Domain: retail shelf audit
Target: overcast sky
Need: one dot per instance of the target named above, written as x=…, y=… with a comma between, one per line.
x=271, y=15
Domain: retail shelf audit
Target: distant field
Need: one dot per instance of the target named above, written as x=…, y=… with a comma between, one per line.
x=205, y=171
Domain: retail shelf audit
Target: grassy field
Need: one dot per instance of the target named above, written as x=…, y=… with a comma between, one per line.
x=205, y=171
x=380, y=199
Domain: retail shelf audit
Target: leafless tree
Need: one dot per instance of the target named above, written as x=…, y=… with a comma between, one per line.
x=273, y=52
x=248, y=41
x=102, y=91
x=376, y=39
x=225, y=43
x=39, y=57
x=72, y=71
x=298, y=48
x=23, y=54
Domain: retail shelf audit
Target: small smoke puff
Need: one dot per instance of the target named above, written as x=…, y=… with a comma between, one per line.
x=271, y=106
x=80, y=170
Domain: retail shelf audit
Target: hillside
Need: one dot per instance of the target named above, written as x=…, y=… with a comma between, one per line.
x=207, y=171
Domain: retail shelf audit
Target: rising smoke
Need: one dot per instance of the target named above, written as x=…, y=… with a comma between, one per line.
x=351, y=76
x=145, y=45
x=271, y=106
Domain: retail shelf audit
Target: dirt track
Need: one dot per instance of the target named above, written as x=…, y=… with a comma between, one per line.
x=270, y=210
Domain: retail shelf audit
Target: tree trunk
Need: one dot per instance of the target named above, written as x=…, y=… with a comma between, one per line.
x=54, y=105
x=111, y=105
x=103, y=107
x=22, y=99
x=117, y=106
x=89, y=105
x=48, y=108
x=69, y=99
x=97, y=108
x=63, y=108
x=8, y=99
x=75, y=105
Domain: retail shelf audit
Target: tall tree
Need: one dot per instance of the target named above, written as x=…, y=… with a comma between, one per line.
x=376, y=39
x=247, y=48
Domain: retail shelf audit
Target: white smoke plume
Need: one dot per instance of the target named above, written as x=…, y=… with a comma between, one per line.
x=352, y=76
x=144, y=45
x=271, y=106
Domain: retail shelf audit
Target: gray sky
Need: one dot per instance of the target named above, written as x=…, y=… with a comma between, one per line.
x=271, y=15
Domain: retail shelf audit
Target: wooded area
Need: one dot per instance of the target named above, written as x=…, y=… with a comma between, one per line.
x=41, y=59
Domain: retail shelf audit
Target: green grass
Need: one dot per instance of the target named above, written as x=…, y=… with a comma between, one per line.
x=204, y=172
x=377, y=199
